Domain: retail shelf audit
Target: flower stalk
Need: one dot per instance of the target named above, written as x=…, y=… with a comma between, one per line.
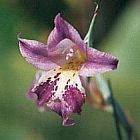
x=89, y=40
x=116, y=119
x=89, y=36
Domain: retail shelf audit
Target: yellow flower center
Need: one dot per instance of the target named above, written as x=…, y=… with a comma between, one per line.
x=75, y=62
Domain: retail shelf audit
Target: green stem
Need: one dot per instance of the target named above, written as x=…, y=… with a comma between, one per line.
x=89, y=40
x=89, y=36
x=115, y=113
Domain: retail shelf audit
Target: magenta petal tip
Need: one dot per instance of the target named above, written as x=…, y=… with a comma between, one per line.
x=68, y=122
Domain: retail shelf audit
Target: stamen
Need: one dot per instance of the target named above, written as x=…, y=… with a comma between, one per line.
x=71, y=50
x=70, y=54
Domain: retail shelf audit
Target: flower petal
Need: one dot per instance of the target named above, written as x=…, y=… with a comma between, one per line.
x=61, y=51
x=62, y=109
x=30, y=94
x=61, y=91
x=44, y=58
x=36, y=53
x=64, y=30
x=98, y=62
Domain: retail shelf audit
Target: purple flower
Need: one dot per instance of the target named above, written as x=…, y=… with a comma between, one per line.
x=61, y=62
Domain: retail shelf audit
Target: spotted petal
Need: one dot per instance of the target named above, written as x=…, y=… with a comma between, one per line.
x=98, y=62
x=61, y=91
x=64, y=30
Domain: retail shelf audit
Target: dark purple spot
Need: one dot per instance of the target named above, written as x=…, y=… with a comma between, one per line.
x=66, y=87
x=57, y=75
x=68, y=81
x=48, y=81
x=56, y=88
x=58, y=79
x=49, y=78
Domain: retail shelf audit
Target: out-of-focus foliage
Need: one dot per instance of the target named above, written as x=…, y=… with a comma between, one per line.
x=19, y=118
x=43, y=12
x=124, y=42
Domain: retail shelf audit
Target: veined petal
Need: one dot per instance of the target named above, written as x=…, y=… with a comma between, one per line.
x=44, y=58
x=98, y=62
x=67, y=53
x=61, y=91
x=36, y=53
x=30, y=94
x=64, y=30
x=61, y=51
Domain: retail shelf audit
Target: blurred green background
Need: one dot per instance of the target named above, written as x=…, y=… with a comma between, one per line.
x=117, y=31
